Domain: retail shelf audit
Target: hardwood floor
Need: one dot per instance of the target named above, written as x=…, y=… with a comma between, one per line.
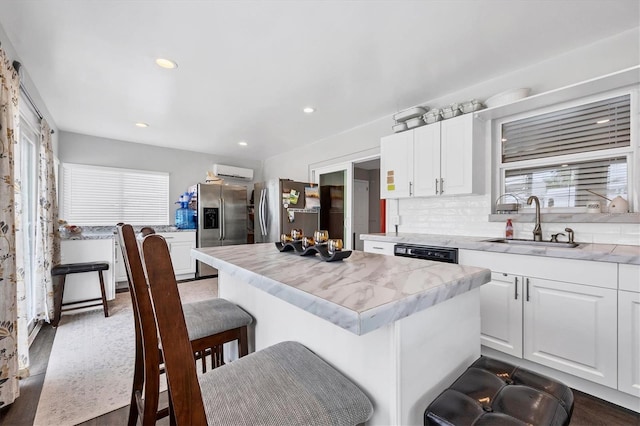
x=588, y=410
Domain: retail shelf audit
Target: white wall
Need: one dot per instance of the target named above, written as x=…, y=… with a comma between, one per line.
x=469, y=215
x=185, y=167
x=33, y=91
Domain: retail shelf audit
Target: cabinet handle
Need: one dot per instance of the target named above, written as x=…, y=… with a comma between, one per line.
x=527, y=289
x=410, y=189
x=441, y=186
x=516, y=288
x=378, y=248
x=436, y=186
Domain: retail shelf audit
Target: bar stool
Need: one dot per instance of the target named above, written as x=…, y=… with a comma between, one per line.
x=76, y=268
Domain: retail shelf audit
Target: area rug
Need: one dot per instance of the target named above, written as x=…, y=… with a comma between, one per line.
x=90, y=369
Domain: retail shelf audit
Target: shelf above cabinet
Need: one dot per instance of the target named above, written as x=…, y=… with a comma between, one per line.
x=626, y=77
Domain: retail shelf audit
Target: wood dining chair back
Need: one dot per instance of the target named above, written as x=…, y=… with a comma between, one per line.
x=146, y=381
x=284, y=384
x=210, y=323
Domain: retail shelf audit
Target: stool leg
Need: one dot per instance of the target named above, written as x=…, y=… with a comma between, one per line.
x=104, y=295
x=58, y=295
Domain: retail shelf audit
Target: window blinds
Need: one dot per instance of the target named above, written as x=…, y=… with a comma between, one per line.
x=567, y=184
x=590, y=127
x=95, y=195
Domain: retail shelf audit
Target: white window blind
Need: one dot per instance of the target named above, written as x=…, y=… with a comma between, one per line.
x=590, y=127
x=94, y=195
x=567, y=185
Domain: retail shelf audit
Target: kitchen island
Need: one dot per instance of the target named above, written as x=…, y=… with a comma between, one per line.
x=402, y=329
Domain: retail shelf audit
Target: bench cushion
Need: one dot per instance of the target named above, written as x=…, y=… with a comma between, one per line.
x=497, y=393
x=74, y=268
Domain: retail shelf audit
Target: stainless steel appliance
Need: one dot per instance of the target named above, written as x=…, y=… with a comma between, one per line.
x=439, y=254
x=222, y=219
x=274, y=217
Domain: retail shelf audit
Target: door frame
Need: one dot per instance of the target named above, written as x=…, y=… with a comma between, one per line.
x=347, y=167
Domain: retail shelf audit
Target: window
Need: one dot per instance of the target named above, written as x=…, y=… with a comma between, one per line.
x=28, y=139
x=95, y=195
x=565, y=156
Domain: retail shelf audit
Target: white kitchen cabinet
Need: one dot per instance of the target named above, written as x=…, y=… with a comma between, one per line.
x=560, y=313
x=119, y=268
x=396, y=165
x=572, y=328
x=87, y=285
x=379, y=247
x=501, y=312
x=443, y=158
x=180, y=245
x=629, y=329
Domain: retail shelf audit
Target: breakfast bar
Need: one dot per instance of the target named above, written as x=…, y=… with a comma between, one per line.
x=402, y=329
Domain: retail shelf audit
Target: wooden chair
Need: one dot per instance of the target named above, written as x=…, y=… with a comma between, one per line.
x=284, y=384
x=210, y=324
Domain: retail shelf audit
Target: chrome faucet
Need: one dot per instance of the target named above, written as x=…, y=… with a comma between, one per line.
x=537, y=230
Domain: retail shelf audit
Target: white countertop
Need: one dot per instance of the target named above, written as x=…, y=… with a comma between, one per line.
x=596, y=252
x=361, y=293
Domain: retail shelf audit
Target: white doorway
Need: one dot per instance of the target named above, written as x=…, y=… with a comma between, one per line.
x=360, y=211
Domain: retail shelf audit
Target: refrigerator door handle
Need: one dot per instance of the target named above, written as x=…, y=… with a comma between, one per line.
x=263, y=216
x=260, y=204
x=221, y=218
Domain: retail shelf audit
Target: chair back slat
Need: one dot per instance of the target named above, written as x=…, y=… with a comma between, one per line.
x=180, y=367
x=144, y=319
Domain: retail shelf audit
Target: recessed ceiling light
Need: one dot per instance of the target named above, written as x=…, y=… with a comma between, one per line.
x=141, y=124
x=242, y=143
x=564, y=165
x=308, y=110
x=603, y=121
x=166, y=63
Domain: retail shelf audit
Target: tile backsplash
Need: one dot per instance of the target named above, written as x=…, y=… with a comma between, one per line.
x=469, y=215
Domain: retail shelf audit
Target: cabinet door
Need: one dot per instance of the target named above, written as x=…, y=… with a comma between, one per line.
x=379, y=247
x=181, y=258
x=426, y=164
x=572, y=328
x=456, y=147
x=396, y=165
x=119, y=267
x=629, y=342
x=501, y=313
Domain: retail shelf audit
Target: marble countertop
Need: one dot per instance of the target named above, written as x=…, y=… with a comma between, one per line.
x=107, y=232
x=595, y=252
x=361, y=293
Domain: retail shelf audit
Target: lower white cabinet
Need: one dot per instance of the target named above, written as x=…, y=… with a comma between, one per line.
x=629, y=330
x=180, y=245
x=572, y=328
x=501, y=313
x=569, y=326
x=379, y=247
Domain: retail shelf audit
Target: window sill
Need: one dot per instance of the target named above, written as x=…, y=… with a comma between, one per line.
x=569, y=217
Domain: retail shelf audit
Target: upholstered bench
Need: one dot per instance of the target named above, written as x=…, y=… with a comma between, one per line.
x=492, y=392
x=76, y=268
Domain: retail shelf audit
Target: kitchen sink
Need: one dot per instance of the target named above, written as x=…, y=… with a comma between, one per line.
x=533, y=243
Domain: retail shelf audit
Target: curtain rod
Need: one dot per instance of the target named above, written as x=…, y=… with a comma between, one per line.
x=17, y=65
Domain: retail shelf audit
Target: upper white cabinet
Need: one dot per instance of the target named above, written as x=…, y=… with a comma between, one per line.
x=444, y=158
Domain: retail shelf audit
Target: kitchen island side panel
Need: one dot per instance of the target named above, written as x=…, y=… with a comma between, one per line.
x=402, y=366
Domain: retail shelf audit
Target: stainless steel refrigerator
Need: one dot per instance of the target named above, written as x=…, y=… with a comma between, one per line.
x=222, y=219
x=276, y=214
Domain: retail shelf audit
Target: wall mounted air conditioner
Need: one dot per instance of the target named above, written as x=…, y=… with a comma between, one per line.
x=232, y=172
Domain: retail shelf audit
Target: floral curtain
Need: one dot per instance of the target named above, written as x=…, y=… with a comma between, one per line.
x=47, y=238
x=9, y=268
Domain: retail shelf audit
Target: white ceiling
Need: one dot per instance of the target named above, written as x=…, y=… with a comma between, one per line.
x=247, y=68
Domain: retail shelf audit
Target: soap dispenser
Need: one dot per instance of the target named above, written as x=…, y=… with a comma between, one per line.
x=508, y=231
